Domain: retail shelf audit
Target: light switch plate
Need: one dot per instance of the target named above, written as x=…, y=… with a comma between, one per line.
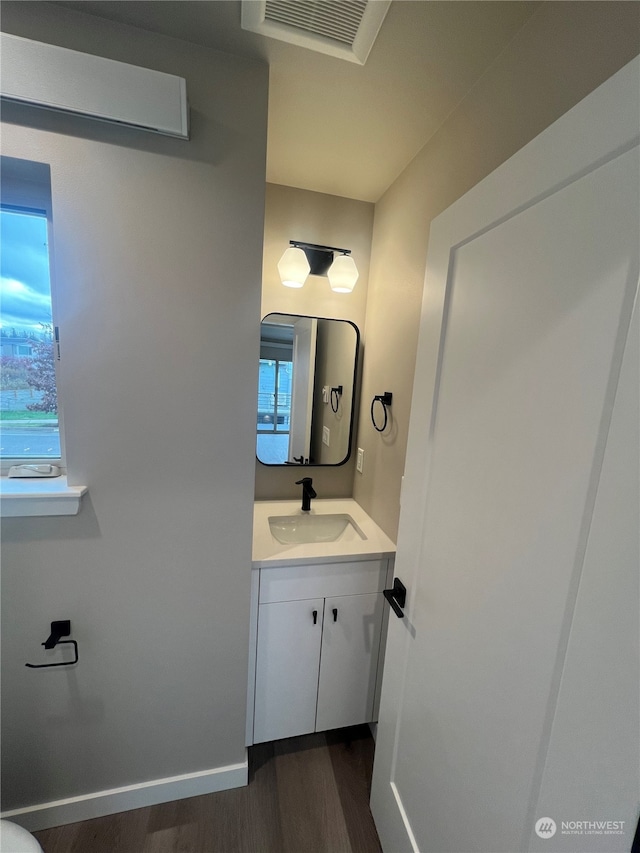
x=325, y=435
x=360, y=460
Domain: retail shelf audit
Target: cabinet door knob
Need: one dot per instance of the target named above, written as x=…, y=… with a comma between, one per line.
x=335, y=614
x=315, y=616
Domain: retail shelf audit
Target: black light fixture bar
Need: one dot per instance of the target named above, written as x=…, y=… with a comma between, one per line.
x=320, y=257
x=300, y=245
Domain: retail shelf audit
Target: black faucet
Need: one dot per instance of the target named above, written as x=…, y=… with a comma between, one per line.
x=308, y=492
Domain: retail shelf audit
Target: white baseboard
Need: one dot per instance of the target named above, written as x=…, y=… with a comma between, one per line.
x=87, y=806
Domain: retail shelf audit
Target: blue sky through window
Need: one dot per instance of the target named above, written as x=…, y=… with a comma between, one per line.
x=29, y=426
x=25, y=287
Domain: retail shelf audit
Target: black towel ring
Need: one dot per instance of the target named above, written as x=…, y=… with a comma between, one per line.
x=385, y=400
x=336, y=393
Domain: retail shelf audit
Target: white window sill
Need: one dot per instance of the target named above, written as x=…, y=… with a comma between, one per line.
x=20, y=497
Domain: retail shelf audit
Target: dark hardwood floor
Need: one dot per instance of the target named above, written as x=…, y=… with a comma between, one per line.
x=305, y=795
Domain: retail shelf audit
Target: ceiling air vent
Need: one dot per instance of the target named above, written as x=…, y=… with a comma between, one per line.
x=345, y=29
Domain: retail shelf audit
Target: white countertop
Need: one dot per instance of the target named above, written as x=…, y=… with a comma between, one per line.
x=267, y=551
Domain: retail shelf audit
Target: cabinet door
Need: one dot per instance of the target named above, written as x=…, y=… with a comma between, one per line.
x=349, y=660
x=288, y=657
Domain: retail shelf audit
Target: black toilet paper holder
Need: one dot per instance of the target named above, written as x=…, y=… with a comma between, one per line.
x=61, y=628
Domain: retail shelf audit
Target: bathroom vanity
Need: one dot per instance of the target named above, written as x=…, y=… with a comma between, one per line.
x=317, y=618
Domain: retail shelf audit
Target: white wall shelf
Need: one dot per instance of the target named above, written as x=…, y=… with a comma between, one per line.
x=39, y=496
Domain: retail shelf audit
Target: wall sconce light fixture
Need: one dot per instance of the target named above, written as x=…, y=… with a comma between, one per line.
x=343, y=274
x=293, y=267
x=303, y=259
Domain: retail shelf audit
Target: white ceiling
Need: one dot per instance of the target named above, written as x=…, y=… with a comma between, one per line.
x=336, y=127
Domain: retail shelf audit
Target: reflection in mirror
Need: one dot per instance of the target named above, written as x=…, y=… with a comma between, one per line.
x=306, y=390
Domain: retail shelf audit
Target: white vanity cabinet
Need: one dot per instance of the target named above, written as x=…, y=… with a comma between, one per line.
x=349, y=660
x=287, y=663
x=317, y=639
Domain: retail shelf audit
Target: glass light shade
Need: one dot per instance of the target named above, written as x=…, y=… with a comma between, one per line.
x=293, y=267
x=343, y=274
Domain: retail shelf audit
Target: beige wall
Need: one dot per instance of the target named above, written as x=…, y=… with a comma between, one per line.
x=563, y=52
x=158, y=254
x=292, y=214
x=335, y=355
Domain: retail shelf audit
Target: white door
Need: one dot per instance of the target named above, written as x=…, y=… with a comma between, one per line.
x=287, y=663
x=349, y=660
x=510, y=690
x=305, y=332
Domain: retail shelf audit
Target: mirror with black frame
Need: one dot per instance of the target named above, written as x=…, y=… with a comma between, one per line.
x=306, y=390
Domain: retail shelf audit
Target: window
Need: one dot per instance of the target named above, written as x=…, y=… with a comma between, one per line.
x=29, y=418
x=274, y=393
x=274, y=409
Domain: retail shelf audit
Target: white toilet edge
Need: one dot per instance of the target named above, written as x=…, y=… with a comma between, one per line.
x=15, y=839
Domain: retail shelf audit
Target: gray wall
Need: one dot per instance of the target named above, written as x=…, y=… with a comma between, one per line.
x=561, y=54
x=158, y=253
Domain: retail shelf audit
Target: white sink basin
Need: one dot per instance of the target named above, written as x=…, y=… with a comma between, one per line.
x=303, y=529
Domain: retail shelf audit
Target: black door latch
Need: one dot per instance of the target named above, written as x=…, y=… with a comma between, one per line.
x=396, y=597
